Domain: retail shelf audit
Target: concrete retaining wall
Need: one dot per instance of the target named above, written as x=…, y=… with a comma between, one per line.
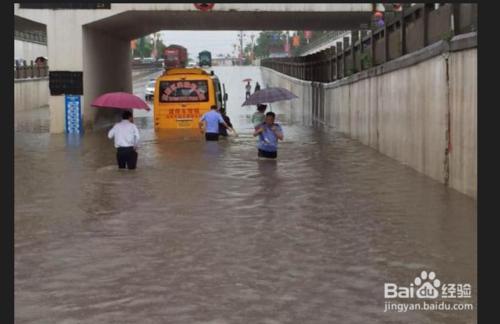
x=423, y=115
x=30, y=94
x=463, y=121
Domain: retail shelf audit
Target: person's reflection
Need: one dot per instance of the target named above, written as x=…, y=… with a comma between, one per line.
x=211, y=149
x=269, y=175
x=73, y=140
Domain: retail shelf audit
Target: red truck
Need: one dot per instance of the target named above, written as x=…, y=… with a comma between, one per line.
x=175, y=56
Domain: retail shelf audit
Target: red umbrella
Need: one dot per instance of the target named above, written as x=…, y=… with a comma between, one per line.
x=247, y=80
x=120, y=100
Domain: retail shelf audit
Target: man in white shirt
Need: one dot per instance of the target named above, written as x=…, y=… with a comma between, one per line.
x=126, y=137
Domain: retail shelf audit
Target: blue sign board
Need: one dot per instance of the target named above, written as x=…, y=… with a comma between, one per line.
x=73, y=114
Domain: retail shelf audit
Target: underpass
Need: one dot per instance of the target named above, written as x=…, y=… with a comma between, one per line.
x=208, y=233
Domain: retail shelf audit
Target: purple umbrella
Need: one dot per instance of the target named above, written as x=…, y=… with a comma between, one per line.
x=119, y=100
x=269, y=95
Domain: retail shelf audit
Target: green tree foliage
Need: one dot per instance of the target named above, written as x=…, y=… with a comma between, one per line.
x=267, y=41
x=145, y=47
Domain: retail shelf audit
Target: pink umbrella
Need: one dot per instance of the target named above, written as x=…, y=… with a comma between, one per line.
x=120, y=100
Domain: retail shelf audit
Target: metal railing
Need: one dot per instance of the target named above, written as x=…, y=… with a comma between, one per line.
x=33, y=37
x=329, y=36
x=141, y=65
x=415, y=28
x=32, y=71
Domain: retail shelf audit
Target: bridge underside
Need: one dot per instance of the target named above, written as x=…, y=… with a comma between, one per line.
x=134, y=24
x=26, y=25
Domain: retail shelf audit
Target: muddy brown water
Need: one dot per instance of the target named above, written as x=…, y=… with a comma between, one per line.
x=207, y=233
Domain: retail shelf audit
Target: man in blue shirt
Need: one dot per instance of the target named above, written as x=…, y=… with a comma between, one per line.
x=209, y=123
x=269, y=133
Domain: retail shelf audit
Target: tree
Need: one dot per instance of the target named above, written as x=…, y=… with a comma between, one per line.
x=145, y=47
x=303, y=44
x=268, y=41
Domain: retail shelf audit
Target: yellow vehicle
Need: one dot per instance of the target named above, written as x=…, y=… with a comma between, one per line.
x=183, y=95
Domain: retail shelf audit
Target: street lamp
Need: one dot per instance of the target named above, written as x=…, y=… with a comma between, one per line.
x=241, y=36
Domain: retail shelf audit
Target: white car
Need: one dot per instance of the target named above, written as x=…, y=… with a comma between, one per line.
x=148, y=60
x=149, y=92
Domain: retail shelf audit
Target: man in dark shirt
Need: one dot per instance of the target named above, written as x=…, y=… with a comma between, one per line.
x=222, y=128
x=209, y=124
x=257, y=87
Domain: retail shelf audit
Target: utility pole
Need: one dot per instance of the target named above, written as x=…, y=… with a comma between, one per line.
x=241, y=35
x=155, y=45
x=287, y=43
x=253, y=54
x=141, y=47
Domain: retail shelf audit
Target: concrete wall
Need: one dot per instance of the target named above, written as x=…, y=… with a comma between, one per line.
x=414, y=114
x=30, y=94
x=107, y=67
x=66, y=56
x=463, y=121
x=28, y=50
x=300, y=111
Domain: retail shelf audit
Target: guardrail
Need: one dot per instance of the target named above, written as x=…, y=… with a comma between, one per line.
x=321, y=40
x=39, y=38
x=24, y=71
x=33, y=70
x=140, y=65
x=415, y=28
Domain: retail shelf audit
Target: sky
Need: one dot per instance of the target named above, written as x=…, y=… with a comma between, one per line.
x=215, y=41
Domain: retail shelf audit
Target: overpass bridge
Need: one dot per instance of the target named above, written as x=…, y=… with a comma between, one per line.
x=96, y=41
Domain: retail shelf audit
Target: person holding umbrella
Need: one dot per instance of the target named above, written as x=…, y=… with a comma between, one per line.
x=248, y=89
x=126, y=137
x=269, y=133
x=125, y=133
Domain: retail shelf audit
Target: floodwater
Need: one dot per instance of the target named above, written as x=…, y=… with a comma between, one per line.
x=207, y=233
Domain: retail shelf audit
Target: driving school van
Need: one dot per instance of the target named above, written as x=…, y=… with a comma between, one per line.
x=183, y=95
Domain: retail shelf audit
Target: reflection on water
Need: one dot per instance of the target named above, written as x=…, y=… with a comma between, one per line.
x=208, y=233
x=34, y=121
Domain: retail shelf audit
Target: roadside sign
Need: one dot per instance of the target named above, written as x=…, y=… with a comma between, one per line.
x=73, y=114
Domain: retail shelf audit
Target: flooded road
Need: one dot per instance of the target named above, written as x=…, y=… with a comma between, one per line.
x=207, y=233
